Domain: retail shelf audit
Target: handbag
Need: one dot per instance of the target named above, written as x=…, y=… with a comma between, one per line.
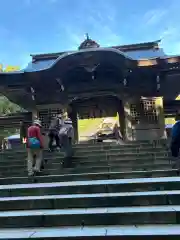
x=34, y=143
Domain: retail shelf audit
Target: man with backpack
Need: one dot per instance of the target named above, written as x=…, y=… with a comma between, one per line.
x=34, y=148
x=66, y=135
x=53, y=134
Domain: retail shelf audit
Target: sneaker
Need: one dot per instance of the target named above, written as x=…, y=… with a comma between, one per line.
x=58, y=149
x=42, y=167
x=31, y=174
x=37, y=173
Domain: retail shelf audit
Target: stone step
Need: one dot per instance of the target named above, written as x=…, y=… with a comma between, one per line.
x=106, y=145
x=94, y=170
x=93, y=186
x=76, y=163
x=90, y=149
x=100, y=205
x=121, y=161
x=87, y=150
x=120, y=149
x=114, y=232
x=7, y=172
x=90, y=216
x=90, y=176
x=122, y=156
x=88, y=162
x=96, y=147
x=122, y=199
x=92, y=156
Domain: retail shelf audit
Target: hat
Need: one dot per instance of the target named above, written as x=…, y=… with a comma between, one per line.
x=68, y=121
x=37, y=122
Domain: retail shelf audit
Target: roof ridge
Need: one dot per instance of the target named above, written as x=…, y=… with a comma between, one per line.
x=135, y=46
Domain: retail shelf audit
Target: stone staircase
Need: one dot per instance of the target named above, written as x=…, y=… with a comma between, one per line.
x=112, y=192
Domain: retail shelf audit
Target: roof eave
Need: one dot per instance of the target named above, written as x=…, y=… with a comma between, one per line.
x=11, y=73
x=139, y=46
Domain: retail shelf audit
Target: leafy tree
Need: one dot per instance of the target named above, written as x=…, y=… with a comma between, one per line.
x=7, y=107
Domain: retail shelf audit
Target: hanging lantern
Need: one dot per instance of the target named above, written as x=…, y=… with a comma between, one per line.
x=125, y=82
x=60, y=84
x=32, y=93
x=158, y=82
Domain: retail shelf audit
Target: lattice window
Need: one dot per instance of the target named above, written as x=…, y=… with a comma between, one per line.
x=149, y=111
x=135, y=114
x=45, y=115
x=145, y=111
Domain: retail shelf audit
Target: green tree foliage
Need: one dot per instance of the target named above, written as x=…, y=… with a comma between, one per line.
x=7, y=107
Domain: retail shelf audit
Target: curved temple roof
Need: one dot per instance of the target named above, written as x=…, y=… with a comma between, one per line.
x=134, y=52
x=135, y=56
x=44, y=63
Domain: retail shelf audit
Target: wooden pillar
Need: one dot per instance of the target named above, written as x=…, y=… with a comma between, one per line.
x=128, y=132
x=121, y=114
x=161, y=120
x=34, y=114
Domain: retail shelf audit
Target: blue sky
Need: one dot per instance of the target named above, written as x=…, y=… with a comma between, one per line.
x=42, y=26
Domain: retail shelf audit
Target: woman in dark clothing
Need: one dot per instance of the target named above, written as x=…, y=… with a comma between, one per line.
x=54, y=132
x=175, y=144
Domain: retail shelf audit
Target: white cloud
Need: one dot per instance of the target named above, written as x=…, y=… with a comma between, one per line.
x=171, y=40
x=99, y=22
x=154, y=16
x=169, y=32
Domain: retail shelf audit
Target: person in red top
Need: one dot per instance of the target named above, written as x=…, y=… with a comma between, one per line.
x=34, y=132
